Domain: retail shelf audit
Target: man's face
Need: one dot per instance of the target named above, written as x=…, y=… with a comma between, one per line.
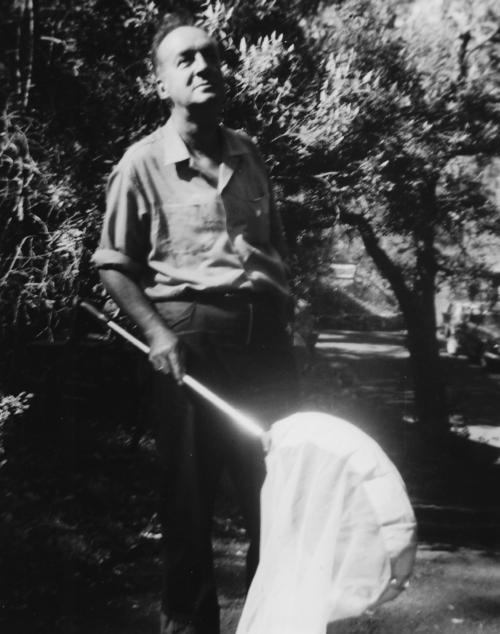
x=188, y=68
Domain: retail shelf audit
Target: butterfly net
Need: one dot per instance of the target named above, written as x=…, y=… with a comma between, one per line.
x=338, y=533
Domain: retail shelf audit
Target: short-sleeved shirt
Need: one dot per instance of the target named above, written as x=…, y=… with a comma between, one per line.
x=172, y=230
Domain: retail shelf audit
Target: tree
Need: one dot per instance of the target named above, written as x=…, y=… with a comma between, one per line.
x=368, y=118
x=397, y=105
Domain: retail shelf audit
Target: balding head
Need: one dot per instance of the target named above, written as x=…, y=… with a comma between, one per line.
x=188, y=67
x=168, y=23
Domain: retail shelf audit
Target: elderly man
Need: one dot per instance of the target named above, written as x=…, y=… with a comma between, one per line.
x=192, y=251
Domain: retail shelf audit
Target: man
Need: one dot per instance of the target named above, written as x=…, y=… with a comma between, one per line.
x=192, y=251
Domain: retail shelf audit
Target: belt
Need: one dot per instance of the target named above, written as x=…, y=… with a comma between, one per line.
x=256, y=313
x=215, y=298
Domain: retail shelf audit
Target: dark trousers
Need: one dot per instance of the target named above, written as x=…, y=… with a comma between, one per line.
x=240, y=349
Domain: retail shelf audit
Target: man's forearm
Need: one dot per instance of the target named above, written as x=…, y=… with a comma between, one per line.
x=165, y=353
x=131, y=299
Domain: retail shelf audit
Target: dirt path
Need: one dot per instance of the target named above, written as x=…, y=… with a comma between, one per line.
x=378, y=366
x=452, y=592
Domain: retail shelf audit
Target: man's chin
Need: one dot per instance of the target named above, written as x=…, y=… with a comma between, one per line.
x=207, y=99
x=206, y=93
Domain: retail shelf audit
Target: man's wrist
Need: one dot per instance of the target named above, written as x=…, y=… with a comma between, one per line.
x=155, y=327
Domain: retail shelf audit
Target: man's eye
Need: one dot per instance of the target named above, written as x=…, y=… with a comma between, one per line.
x=185, y=60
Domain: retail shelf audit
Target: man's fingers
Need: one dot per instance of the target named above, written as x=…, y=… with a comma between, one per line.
x=176, y=367
x=161, y=360
x=169, y=363
x=161, y=364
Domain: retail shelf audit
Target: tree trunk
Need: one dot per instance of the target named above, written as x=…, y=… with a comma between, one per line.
x=18, y=48
x=418, y=307
x=430, y=395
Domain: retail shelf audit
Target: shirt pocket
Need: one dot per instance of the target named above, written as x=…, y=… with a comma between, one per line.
x=182, y=233
x=249, y=217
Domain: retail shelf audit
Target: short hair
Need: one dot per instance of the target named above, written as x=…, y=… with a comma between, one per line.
x=167, y=23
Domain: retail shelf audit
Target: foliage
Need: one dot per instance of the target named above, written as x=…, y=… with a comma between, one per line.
x=43, y=238
x=425, y=122
x=10, y=407
x=55, y=153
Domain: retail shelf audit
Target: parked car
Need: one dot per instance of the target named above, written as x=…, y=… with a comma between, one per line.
x=478, y=337
x=457, y=313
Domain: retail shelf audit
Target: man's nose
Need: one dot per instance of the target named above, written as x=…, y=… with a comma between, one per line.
x=200, y=62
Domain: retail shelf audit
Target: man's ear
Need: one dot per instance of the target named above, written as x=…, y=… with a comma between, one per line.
x=161, y=89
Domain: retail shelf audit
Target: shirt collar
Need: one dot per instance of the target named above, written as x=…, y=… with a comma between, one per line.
x=234, y=145
x=175, y=150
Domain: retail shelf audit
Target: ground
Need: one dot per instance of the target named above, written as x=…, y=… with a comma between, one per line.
x=365, y=378
x=453, y=591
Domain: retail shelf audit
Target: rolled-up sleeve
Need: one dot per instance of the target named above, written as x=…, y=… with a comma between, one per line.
x=124, y=236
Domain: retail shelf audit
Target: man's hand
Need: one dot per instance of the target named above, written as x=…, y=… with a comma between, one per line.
x=165, y=353
x=266, y=441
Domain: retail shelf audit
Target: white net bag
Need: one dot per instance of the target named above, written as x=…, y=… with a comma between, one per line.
x=338, y=533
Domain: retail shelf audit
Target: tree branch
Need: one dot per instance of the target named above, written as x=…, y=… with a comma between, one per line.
x=464, y=52
x=465, y=38
x=487, y=39
x=29, y=18
x=383, y=262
